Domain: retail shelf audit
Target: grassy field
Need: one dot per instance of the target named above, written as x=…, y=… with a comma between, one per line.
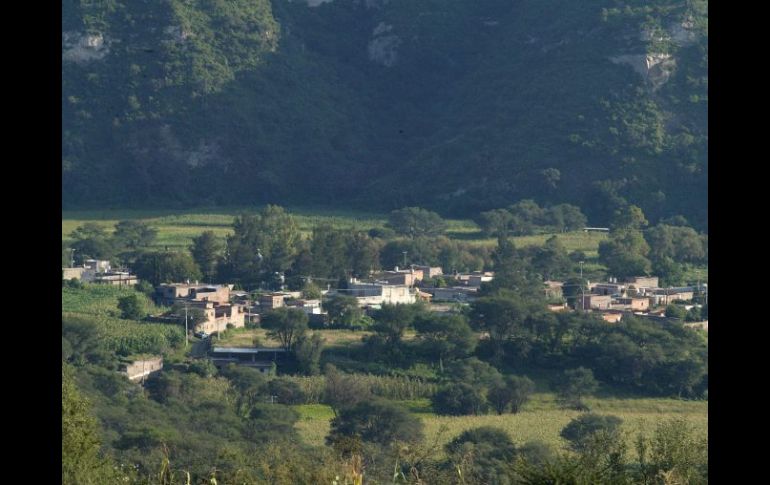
x=541, y=419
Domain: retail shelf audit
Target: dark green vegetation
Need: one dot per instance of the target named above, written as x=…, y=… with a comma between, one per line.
x=459, y=107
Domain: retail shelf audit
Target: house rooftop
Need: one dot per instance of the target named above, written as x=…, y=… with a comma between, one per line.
x=246, y=350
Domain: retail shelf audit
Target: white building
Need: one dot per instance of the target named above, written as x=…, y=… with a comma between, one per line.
x=378, y=294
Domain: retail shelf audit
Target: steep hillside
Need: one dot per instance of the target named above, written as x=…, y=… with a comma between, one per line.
x=453, y=105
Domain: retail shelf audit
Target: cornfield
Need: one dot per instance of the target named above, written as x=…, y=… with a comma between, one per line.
x=401, y=388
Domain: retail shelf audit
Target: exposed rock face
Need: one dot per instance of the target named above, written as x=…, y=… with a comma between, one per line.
x=383, y=48
x=81, y=48
x=656, y=69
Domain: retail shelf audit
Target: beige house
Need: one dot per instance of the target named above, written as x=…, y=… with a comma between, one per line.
x=78, y=273
x=597, y=302
x=633, y=303
x=219, y=316
x=271, y=301
x=429, y=271
x=212, y=300
x=171, y=292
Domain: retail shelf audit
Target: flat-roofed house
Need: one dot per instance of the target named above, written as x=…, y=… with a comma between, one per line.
x=597, y=302
x=264, y=359
x=271, y=301
x=380, y=294
x=634, y=303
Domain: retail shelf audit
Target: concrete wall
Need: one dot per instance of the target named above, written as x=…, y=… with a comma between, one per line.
x=142, y=368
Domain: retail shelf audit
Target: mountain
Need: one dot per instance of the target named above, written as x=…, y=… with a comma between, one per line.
x=452, y=105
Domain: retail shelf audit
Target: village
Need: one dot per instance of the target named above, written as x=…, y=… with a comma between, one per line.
x=207, y=310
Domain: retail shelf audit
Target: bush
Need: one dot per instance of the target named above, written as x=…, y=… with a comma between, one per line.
x=487, y=453
x=459, y=399
x=286, y=391
x=510, y=394
x=536, y=452
x=382, y=233
x=145, y=287
x=574, y=384
x=379, y=422
x=580, y=430
x=133, y=307
x=203, y=367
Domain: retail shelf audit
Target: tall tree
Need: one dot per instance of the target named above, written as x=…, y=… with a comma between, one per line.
x=629, y=217
x=502, y=318
x=364, y=253
x=330, y=252
x=551, y=259
x=166, y=267
x=92, y=240
x=495, y=223
x=415, y=221
x=445, y=337
x=566, y=217
x=344, y=310
x=308, y=353
x=625, y=253
x=206, y=250
x=132, y=235
x=392, y=320
x=513, y=272
x=287, y=325
x=260, y=246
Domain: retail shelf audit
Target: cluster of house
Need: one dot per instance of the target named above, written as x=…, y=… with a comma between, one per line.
x=640, y=295
x=222, y=307
x=408, y=286
x=99, y=271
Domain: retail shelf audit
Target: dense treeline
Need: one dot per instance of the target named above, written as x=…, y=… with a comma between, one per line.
x=268, y=250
